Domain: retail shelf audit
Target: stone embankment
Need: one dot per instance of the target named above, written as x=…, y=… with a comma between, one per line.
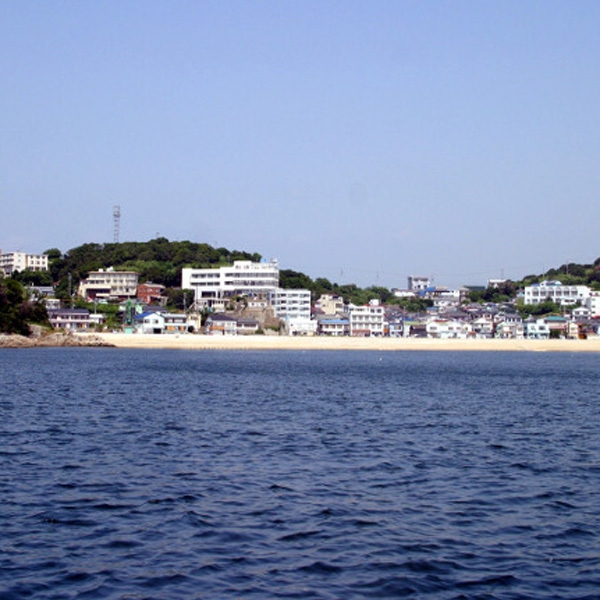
x=53, y=340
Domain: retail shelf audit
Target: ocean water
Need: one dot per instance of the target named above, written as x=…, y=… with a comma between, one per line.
x=175, y=474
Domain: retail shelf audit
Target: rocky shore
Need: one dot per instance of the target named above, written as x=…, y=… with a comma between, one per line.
x=53, y=340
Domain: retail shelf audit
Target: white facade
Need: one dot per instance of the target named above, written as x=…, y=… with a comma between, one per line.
x=290, y=304
x=447, y=329
x=333, y=326
x=418, y=283
x=593, y=304
x=161, y=322
x=293, y=306
x=109, y=284
x=564, y=295
x=536, y=329
x=367, y=320
x=20, y=261
x=71, y=319
x=243, y=278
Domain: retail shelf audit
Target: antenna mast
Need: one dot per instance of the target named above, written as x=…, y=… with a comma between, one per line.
x=116, y=222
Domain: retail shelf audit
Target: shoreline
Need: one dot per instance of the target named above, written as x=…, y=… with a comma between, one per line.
x=301, y=343
x=266, y=342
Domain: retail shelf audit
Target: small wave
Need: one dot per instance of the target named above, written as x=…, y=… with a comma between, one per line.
x=300, y=535
x=321, y=567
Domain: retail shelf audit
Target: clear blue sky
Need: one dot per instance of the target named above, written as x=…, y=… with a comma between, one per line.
x=358, y=141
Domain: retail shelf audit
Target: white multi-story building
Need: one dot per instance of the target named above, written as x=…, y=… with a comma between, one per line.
x=293, y=307
x=290, y=304
x=244, y=278
x=592, y=303
x=418, y=283
x=367, y=320
x=565, y=295
x=258, y=282
x=20, y=261
x=108, y=284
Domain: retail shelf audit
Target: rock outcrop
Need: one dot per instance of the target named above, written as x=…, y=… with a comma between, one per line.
x=52, y=340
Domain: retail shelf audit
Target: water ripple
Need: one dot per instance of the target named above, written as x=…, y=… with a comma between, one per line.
x=298, y=475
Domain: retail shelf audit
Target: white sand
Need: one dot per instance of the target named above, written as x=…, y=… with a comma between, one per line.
x=265, y=342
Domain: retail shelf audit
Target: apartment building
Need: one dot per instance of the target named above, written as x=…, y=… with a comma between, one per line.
x=293, y=307
x=20, y=261
x=565, y=295
x=368, y=320
x=418, y=283
x=330, y=304
x=243, y=278
x=108, y=284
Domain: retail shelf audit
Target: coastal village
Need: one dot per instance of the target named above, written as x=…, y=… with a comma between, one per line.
x=245, y=298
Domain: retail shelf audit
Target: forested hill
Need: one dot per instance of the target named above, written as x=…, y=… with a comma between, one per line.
x=158, y=260
x=161, y=261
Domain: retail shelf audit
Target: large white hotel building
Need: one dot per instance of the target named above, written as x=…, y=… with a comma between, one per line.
x=213, y=287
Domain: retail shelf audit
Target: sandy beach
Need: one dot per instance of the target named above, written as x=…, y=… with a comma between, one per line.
x=263, y=342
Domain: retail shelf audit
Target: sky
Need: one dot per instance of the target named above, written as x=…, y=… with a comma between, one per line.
x=361, y=141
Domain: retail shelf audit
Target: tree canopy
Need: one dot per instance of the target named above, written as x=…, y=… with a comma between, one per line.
x=17, y=312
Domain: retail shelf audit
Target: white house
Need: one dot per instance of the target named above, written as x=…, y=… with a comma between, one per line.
x=221, y=324
x=157, y=322
x=536, y=329
x=71, y=319
x=510, y=325
x=447, y=328
x=333, y=325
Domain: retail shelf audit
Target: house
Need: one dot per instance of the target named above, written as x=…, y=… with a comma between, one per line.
x=175, y=322
x=557, y=325
x=149, y=322
x=220, y=324
x=581, y=313
x=158, y=322
x=246, y=326
x=151, y=293
x=71, y=319
x=333, y=325
x=536, y=329
x=510, y=325
x=440, y=328
x=483, y=326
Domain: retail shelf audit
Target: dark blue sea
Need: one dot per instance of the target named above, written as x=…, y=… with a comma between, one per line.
x=215, y=474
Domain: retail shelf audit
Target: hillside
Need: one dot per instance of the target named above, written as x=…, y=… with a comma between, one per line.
x=160, y=260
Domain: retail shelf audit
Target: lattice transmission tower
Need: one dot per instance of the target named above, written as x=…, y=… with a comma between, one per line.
x=116, y=222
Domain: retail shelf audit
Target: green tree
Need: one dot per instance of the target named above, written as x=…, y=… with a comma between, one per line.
x=16, y=310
